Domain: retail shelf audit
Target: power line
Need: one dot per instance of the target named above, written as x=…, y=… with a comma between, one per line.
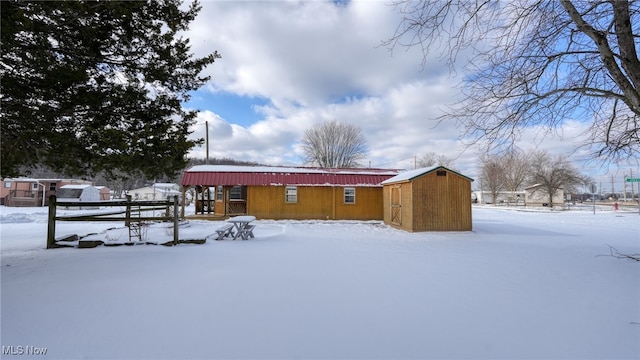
x=394, y=162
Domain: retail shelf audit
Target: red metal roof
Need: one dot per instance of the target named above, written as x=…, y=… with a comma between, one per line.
x=266, y=176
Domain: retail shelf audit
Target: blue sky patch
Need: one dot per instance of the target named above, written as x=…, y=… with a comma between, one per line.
x=341, y=2
x=233, y=108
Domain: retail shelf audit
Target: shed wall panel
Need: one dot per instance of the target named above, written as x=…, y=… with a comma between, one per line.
x=268, y=202
x=314, y=202
x=368, y=204
x=442, y=203
x=431, y=202
x=408, y=205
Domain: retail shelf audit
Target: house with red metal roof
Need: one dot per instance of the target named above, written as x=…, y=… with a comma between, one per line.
x=272, y=192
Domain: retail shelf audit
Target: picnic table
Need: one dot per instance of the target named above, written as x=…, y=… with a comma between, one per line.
x=244, y=229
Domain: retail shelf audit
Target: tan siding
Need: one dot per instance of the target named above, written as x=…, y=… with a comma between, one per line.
x=220, y=205
x=405, y=200
x=434, y=203
x=386, y=204
x=407, y=206
x=314, y=202
x=442, y=203
x=368, y=204
x=268, y=202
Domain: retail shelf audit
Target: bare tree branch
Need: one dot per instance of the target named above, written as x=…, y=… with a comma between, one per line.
x=334, y=145
x=492, y=176
x=617, y=254
x=433, y=159
x=554, y=173
x=536, y=63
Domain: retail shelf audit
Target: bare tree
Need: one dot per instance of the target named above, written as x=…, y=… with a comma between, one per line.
x=432, y=159
x=554, y=173
x=537, y=63
x=334, y=145
x=492, y=176
x=517, y=169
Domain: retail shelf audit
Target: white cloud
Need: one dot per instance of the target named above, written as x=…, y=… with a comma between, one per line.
x=315, y=61
x=308, y=52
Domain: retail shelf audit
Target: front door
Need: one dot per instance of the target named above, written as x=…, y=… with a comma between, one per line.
x=237, y=200
x=396, y=206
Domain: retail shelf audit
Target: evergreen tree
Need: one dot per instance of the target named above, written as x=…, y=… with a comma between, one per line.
x=97, y=86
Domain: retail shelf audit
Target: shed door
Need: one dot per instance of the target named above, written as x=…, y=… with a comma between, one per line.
x=396, y=206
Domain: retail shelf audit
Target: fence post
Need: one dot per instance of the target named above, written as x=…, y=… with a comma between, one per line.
x=175, y=220
x=183, y=202
x=51, y=225
x=127, y=216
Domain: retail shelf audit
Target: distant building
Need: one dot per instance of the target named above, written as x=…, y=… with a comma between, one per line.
x=157, y=191
x=537, y=195
x=502, y=197
x=78, y=193
x=105, y=193
x=25, y=191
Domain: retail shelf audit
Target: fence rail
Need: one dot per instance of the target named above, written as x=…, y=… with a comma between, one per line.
x=130, y=208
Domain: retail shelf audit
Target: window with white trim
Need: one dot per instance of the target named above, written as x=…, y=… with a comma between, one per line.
x=34, y=186
x=7, y=184
x=349, y=195
x=219, y=193
x=291, y=194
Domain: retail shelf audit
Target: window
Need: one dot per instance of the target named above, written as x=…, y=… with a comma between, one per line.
x=441, y=173
x=7, y=184
x=219, y=193
x=70, y=193
x=34, y=186
x=349, y=195
x=52, y=186
x=291, y=194
x=236, y=193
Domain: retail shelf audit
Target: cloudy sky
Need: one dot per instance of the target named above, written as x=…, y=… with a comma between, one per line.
x=288, y=65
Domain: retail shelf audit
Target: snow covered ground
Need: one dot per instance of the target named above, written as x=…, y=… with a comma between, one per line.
x=521, y=285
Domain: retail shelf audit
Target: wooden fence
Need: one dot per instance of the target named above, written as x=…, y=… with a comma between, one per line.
x=131, y=214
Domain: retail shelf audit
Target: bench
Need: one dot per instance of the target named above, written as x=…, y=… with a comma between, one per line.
x=224, y=230
x=247, y=232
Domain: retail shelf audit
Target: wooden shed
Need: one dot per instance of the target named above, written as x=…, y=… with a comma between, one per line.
x=286, y=192
x=428, y=199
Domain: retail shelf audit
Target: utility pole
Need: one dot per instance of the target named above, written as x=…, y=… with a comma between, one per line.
x=206, y=123
x=633, y=196
x=601, y=192
x=613, y=192
x=624, y=186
